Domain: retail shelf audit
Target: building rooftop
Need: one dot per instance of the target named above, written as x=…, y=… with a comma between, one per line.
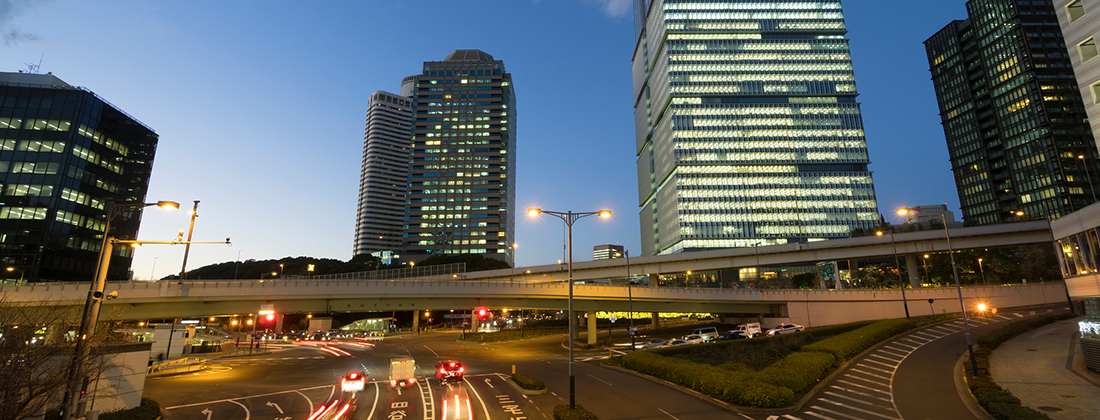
x=32, y=79
x=468, y=55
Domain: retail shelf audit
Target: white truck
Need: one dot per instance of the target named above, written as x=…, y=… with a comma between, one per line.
x=402, y=372
x=750, y=330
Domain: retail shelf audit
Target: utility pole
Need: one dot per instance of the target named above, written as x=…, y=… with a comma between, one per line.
x=187, y=248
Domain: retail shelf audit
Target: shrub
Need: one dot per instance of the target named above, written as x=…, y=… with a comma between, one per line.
x=849, y=344
x=1003, y=411
x=734, y=366
x=739, y=387
x=799, y=370
x=527, y=382
x=563, y=412
x=148, y=410
x=757, y=353
x=508, y=335
x=987, y=395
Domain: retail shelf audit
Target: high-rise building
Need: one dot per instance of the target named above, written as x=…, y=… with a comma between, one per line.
x=64, y=153
x=379, y=222
x=607, y=252
x=1080, y=22
x=463, y=163
x=747, y=127
x=1016, y=127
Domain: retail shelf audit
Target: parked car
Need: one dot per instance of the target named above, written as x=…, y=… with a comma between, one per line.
x=674, y=343
x=751, y=330
x=785, y=329
x=694, y=339
x=707, y=332
x=649, y=343
x=732, y=335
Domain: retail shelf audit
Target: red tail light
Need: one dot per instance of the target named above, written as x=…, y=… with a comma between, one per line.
x=461, y=369
x=442, y=371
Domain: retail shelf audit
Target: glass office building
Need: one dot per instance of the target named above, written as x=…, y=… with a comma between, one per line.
x=65, y=152
x=1015, y=124
x=462, y=169
x=747, y=127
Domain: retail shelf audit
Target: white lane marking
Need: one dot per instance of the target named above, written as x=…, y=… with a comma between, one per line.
x=433, y=351
x=893, y=366
x=666, y=413
x=856, y=409
x=885, y=358
x=375, y=405
x=788, y=416
x=308, y=401
x=483, y=406
x=924, y=334
x=902, y=345
x=247, y=414
x=245, y=397
x=871, y=382
x=331, y=393
x=271, y=404
x=872, y=404
x=865, y=395
x=1017, y=315
x=888, y=372
x=885, y=378
x=819, y=415
x=892, y=352
x=429, y=401
x=601, y=380
x=743, y=415
x=863, y=387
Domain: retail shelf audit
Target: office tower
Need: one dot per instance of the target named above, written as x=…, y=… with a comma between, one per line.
x=463, y=164
x=747, y=127
x=382, y=178
x=1012, y=114
x=1080, y=22
x=607, y=252
x=65, y=152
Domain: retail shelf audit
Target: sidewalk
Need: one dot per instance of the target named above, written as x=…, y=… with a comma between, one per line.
x=1033, y=366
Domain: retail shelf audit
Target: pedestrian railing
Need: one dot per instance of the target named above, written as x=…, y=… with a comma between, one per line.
x=189, y=364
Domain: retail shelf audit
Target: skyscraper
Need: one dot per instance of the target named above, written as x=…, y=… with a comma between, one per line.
x=747, y=127
x=65, y=152
x=1012, y=114
x=382, y=179
x=463, y=164
x=1080, y=22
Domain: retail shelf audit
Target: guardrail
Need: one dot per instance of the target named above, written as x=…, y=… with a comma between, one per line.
x=189, y=364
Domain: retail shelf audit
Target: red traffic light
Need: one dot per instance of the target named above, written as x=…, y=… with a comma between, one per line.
x=270, y=317
x=482, y=312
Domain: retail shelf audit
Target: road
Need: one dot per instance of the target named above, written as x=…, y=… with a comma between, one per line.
x=896, y=381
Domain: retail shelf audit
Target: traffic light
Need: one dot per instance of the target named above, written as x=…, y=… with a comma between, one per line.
x=270, y=317
x=482, y=313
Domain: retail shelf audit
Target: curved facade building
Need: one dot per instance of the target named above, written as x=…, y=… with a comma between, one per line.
x=747, y=127
x=382, y=178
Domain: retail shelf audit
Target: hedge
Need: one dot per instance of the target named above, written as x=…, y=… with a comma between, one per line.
x=508, y=335
x=999, y=402
x=757, y=353
x=849, y=344
x=737, y=387
x=527, y=382
x=563, y=412
x=799, y=370
x=148, y=410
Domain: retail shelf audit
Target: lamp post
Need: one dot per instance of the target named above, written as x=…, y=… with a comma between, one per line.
x=513, y=248
x=273, y=274
x=1085, y=163
x=982, y=269
x=569, y=218
x=237, y=266
x=897, y=264
x=153, y=272
x=91, y=305
x=21, y=273
x=280, y=271
x=630, y=297
x=187, y=248
x=924, y=262
x=958, y=287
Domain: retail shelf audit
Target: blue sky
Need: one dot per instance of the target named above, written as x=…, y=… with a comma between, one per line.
x=260, y=107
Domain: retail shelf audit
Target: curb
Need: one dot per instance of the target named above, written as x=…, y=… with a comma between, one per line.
x=782, y=410
x=524, y=391
x=963, y=386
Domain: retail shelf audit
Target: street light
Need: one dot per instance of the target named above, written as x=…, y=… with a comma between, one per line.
x=955, y=271
x=983, y=271
x=1085, y=163
x=569, y=218
x=93, y=302
x=187, y=248
x=897, y=264
x=629, y=297
x=21, y=272
x=924, y=262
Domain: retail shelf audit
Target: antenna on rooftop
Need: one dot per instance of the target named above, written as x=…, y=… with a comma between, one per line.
x=34, y=68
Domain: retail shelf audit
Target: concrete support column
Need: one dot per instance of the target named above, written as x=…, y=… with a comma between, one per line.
x=279, y=323
x=473, y=320
x=653, y=280
x=416, y=321
x=591, y=327
x=914, y=270
x=656, y=317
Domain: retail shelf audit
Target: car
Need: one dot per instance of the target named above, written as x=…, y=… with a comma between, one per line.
x=732, y=335
x=694, y=339
x=752, y=329
x=455, y=404
x=675, y=343
x=353, y=381
x=707, y=332
x=649, y=343
x=449, y=371
x=785, y=329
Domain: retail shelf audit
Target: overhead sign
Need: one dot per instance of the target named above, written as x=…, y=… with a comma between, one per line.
x=267, y=309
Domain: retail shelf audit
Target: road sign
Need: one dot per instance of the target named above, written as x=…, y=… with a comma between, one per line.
x=613, y=319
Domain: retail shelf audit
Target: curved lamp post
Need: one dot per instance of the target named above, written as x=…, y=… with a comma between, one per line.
x=955, y=271
x=897, y=264
x=93, y=302
x=569, y=218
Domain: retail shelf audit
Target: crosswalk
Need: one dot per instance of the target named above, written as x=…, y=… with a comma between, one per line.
x=864, y=391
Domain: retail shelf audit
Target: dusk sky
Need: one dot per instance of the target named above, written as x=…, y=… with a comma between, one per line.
x=260, y=107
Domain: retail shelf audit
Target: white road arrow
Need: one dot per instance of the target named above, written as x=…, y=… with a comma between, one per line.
x=208, y=413
x=270, y=404
x=773, y=417
x=486, y=383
